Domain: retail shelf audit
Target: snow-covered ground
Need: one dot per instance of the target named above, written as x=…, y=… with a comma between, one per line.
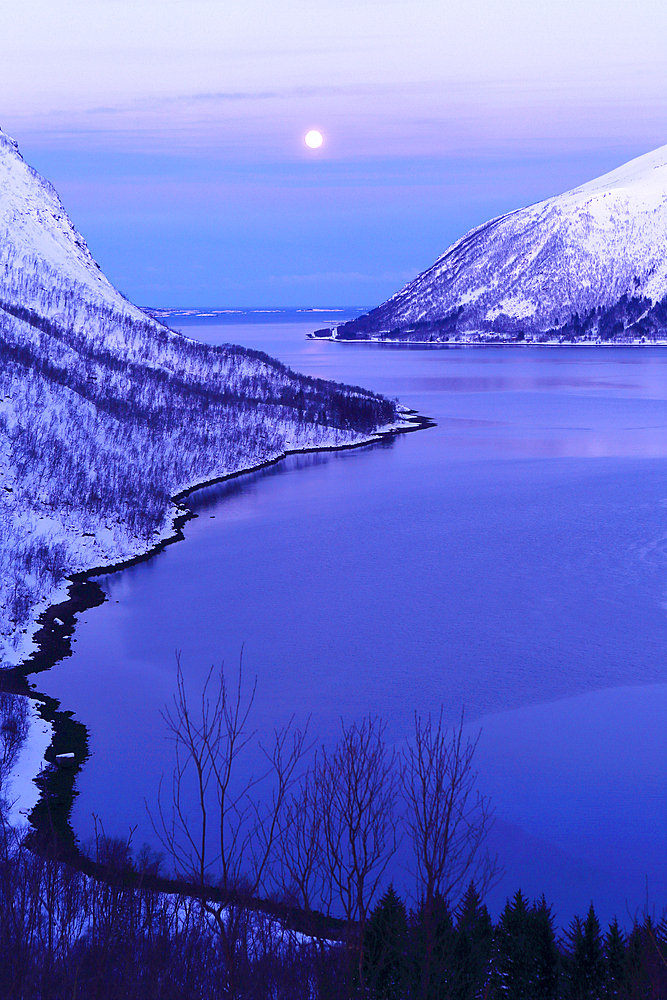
x=21, y=792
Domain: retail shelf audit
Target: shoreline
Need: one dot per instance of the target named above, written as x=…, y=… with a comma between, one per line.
x=47, y=634
x=50, y=817
x=485, y=343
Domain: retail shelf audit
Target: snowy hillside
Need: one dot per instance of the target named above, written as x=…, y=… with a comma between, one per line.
x=105, y=414
x=589, y=264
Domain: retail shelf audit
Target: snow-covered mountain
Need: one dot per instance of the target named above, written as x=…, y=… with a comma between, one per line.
x=588, y=264
x=105, y=414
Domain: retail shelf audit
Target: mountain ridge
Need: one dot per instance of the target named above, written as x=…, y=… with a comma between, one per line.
x=550, y=271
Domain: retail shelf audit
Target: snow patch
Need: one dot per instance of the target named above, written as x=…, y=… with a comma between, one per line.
x=22, y=793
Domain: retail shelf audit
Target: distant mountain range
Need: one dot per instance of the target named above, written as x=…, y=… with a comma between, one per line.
x=106, y=414
x=589, y=265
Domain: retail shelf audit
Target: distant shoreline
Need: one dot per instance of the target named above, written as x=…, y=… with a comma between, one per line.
x=399, y=342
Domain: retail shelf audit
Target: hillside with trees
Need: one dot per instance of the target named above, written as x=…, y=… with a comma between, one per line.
x=106, y=415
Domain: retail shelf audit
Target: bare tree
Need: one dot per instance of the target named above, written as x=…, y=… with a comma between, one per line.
x=303, y=877
x=356, y=787
x=447, y=820
x=221, y=828
x=302, y=869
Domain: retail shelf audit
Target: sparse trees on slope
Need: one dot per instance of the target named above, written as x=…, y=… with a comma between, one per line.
x=106, y=415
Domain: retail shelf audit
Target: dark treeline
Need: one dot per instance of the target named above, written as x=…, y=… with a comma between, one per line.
x=631, y=317
x=520, y=957
x=192, y=370
x=66, y=935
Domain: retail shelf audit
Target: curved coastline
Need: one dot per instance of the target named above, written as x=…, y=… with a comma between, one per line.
x=50, y=818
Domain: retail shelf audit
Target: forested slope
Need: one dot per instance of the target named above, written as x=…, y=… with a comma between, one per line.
x=105, y=414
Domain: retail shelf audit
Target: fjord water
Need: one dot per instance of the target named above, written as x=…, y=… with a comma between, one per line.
x=512, y=560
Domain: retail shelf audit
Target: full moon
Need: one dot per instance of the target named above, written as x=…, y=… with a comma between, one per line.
x=314, y=139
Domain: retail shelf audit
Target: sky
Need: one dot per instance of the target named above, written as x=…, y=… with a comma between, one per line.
x=174, y=130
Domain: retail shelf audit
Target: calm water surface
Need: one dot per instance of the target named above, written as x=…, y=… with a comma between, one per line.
x=512, y=560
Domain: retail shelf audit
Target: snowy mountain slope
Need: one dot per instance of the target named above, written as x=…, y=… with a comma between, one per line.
x=554, y=268
x=105, y=414
x=37, y=238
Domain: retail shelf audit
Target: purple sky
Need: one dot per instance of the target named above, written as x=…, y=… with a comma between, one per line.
x=174, y=130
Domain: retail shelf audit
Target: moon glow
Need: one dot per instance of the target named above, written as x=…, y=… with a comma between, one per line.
x=314, y=139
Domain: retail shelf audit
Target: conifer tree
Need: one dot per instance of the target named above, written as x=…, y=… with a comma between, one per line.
x=614, y=957
x=385, y=941
x=585, y=963
x=472, y=946
x=634, y=961
x=544, y=952
x=432, y=950
x=646, y=967
x=443, y=946
x=511, y=976
x=525, y=960
x=661, y=937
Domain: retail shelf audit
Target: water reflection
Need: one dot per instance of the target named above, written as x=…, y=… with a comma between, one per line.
x=211, y=496
x=504, y=383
